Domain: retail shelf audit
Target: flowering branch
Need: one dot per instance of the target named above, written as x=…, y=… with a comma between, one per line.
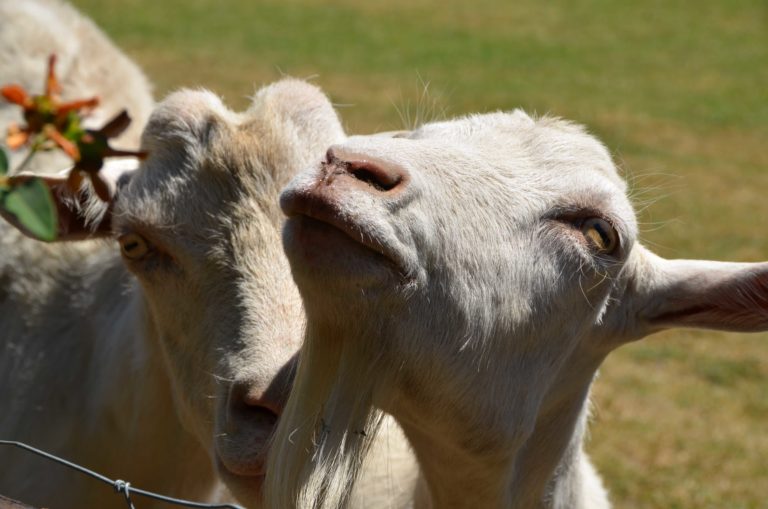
x=52, y=124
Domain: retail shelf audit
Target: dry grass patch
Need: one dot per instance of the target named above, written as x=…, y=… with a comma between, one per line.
x=680, y=421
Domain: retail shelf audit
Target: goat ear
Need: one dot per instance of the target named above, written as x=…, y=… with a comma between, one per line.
x=185, y=119
x=81, y=215
x=304, y=106
x=701, y=294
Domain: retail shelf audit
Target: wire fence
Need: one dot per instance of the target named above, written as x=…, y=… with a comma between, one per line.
x=121, y=487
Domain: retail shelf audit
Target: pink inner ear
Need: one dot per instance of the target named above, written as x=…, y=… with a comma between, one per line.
x=736, y=302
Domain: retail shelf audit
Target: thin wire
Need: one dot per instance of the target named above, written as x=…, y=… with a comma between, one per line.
x=120, y=486
x=125, y=487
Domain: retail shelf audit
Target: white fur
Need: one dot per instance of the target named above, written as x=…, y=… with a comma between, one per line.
x=449, y=281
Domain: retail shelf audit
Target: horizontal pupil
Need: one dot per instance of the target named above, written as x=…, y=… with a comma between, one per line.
x=601, y=231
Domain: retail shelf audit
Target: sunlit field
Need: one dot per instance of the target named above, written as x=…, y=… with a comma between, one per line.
x=677, y=90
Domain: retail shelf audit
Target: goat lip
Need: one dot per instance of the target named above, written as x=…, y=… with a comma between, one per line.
x=244, y=484
x=242, y=468
x=321, y=208
x=246, y=471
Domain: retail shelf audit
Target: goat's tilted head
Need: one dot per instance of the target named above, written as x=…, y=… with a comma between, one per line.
x=198, y=224
x=469, y=278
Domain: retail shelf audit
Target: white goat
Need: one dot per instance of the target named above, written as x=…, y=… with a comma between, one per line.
x=469, y=278
x=88, y=64
x=174, y=361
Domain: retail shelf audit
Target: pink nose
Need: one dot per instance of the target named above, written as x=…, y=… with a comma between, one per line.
x=377, y=175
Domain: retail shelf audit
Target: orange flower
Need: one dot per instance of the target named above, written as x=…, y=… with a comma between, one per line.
x=45, y=115
x=52, y=123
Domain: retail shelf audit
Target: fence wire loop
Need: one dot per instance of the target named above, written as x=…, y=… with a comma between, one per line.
x=125, y=488
x=119, y=485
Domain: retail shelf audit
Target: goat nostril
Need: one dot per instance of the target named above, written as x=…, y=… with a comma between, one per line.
x=252, y=400
x=383, y=178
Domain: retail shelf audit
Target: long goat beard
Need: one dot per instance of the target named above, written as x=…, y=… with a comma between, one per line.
x=316, y=464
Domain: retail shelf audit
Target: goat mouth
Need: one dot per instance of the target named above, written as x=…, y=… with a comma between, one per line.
x=242, y=444
x=315, y=212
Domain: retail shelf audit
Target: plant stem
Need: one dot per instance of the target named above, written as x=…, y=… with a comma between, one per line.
x=28, y=158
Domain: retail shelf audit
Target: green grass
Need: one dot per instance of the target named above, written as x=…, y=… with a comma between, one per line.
x=678, y=90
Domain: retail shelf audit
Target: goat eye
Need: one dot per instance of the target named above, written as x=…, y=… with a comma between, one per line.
x=133, y=246
x=601, y=235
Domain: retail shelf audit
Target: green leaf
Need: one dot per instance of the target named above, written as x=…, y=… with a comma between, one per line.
x=3, y=162
x=31, y=205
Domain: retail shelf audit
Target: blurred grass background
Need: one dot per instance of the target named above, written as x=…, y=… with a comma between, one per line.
x=678, y=90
